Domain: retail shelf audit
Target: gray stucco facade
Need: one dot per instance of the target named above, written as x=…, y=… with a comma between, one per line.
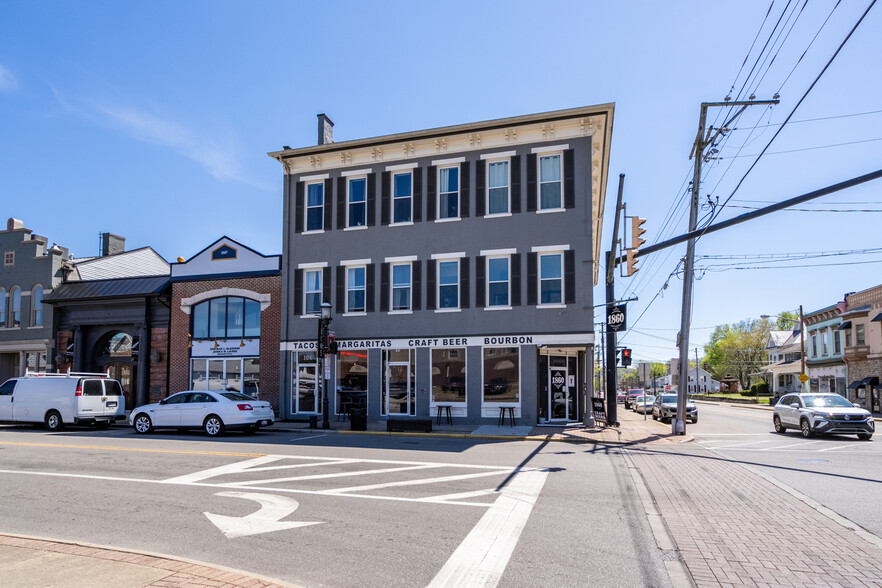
x=467, y=253
x=30, y=269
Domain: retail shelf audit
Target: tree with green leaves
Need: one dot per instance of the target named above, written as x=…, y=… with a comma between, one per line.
x=738, y=350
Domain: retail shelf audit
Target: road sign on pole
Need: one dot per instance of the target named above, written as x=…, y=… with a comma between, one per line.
x=616, y=318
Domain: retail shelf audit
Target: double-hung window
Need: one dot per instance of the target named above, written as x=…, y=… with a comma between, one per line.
x=312, y=291
x=498, y=281
x=448, y=192
x=16, y=307
x=315, y=202
x=37, y=306
x=550, y=278
x=2, y=308
x=401, y=286
x=402, y=197
x=550, y=182
x=355, y=289
x=860, y=337
x=448, y=283
x=357, y=204
x=497, y=187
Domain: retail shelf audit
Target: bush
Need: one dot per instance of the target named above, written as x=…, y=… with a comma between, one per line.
x=760, y=389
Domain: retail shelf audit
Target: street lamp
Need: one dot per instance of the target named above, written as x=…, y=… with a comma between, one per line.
x=322, y=350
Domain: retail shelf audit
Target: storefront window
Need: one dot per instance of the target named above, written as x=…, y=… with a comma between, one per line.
x=215, y=374
x=226, y=374
x=198, y=379
x=352, y=374
x=448, y=375
x=502, y=374
x=251, y=376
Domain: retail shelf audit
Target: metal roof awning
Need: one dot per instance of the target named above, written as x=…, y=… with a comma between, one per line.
x=876, y=318
x=855, y=385
x=845, y=325
x=872, y=382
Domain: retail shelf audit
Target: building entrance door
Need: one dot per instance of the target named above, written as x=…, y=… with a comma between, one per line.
x=399, y=389
x=125, y=374
x=558, y=391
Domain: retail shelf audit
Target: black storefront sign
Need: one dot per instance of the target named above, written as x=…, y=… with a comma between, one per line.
x=616, y=318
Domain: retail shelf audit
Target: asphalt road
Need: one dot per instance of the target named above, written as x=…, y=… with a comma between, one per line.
x=339, y=510
x=839, y=472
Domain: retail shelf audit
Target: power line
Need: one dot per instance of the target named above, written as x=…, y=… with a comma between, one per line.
x=804, y=149
x=805, y=120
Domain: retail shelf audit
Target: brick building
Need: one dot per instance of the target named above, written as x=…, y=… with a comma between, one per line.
x=225, y=318
x=862, y=324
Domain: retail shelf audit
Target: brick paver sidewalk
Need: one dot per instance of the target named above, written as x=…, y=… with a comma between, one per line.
x=170, y=572
x=735, y=528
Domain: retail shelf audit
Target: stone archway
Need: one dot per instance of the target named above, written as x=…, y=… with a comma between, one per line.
x=117, y=353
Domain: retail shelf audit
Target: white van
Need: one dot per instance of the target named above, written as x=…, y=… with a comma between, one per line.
x=56, y=399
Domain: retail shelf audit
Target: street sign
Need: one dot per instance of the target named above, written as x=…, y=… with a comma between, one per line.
x=803, y=378
x=616, y=318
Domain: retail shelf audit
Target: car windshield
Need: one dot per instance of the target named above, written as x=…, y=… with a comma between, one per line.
x=646, y=399
x=669, y=399
x=831, y=401
x=236, y=396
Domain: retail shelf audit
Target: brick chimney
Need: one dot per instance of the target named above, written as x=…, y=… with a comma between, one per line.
x=325, y=130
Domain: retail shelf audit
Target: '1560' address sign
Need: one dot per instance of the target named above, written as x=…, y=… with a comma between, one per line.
x=615, y=318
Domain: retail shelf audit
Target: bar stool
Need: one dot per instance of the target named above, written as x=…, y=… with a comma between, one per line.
x=511, y=417
x=446, y=409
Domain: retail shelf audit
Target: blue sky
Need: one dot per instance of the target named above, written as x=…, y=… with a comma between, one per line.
x=152, y=121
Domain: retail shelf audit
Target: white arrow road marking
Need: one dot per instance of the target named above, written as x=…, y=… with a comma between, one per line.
x=272, y=509
x=480, y=559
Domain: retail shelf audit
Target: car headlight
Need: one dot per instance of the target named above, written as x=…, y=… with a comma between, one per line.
x=821, y=415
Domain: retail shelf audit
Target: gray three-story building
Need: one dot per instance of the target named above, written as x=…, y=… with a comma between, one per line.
x=459, y=264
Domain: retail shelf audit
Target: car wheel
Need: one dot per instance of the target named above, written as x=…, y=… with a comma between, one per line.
x=654, y=417
x=102, y=425
x=695, y=420
x=213, y=426
x=805, y=428
x=779, y=427
x=53, y=421
x=142, y=424
x=865, y=436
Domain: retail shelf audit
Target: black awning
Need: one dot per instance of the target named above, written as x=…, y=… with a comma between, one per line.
x=855, y=385
x=876, y=318
x=845, y=325
x=872, y=381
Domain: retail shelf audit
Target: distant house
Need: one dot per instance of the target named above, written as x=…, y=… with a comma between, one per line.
x=824, y=361
x=784, y=367
x=862, y=324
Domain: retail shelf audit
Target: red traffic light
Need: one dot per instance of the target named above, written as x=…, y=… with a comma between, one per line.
x=626, y=357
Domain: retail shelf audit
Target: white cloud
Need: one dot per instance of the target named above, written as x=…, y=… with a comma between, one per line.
x=219, y=158
x=8, y=82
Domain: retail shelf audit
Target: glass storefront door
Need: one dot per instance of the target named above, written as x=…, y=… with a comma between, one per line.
x=558, y=392
x=399, y=395
x=306, y=400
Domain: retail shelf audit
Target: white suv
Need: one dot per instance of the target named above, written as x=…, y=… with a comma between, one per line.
x=822, y=413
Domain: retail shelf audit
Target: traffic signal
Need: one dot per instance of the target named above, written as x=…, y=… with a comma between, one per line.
x=632, y=262
x=332, y=344
x=636, y=231
x=626, y=357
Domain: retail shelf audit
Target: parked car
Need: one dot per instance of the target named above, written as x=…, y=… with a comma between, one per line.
x=665, y=408
x=632, y=394
x=59, y=399
x=822, y=413
x=620, y=396
x=214, y=411
x=643, y=404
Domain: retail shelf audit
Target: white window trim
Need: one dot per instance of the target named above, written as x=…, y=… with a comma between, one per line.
x=361, y=228
x=458, y=194
x=348, y=289
x=550, y=210
x=452, y=404
x=306, y=207
x=500, y=155
x=550, y=148
x=356, y=172
x=392, y=197
x=492, y=405
x=560, y=253
x=499, y=308
x=445, y=310
x=314, y=178
x=550, y=248
x=438, y=284
x=400, y=259
x=487, y=188
x=506, y=257
x=548, y=153
x=306, y=292
x=448, y=220
x=347, y=262
x=402, y=166
x=449, y=162
x=497, y=252
x=457, y=255
x=409, y=308
x=355, y=313
x=349, y=204
x=313, y=265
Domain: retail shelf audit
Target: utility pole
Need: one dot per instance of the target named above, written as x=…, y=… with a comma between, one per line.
x=802, y=349
x=611, y=407
x=702, y=140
